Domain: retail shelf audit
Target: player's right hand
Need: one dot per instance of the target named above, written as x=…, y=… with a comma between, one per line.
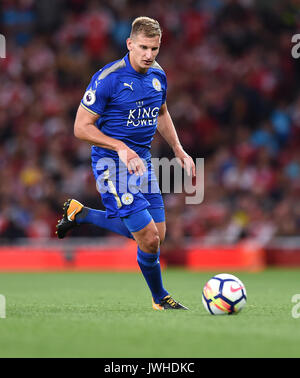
x=132, y=161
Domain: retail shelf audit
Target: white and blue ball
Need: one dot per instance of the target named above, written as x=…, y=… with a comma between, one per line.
x=224, y=294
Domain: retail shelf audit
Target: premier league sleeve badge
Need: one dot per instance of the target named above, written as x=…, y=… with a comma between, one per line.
x=89, y=97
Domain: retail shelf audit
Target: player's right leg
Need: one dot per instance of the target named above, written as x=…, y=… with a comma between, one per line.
x=75, y=213
x=70, y=209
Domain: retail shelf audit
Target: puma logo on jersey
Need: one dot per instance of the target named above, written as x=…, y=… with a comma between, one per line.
x=129, y=85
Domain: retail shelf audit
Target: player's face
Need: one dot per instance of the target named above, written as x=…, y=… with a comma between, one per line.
x=142, y=51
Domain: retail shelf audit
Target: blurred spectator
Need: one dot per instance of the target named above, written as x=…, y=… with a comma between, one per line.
x=233, y=93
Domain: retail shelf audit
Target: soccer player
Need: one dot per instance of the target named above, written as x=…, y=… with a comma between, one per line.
x=121, y=109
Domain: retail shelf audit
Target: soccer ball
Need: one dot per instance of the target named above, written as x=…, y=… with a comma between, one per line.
x=224, y=294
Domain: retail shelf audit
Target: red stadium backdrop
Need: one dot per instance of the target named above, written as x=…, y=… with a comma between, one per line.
x=242, y=257
x=233, y=93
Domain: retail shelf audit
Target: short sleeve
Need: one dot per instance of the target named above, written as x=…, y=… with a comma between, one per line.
x=97, y=95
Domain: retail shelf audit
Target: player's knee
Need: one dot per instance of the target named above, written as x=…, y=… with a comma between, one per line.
x=152, y=242
x=161, y=238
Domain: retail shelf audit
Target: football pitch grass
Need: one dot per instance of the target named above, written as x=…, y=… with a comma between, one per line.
x=110, y=315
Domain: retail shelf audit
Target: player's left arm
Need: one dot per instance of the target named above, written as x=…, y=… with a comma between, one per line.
x=167, y=130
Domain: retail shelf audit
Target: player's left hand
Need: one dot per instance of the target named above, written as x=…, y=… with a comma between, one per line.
x=185, y=161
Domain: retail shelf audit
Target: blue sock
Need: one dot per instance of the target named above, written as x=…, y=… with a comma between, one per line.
x=98, y=218
x=150, y=267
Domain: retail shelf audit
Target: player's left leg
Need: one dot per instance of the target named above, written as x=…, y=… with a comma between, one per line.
x=158, y=216
x=161, y=228
x=146, y=233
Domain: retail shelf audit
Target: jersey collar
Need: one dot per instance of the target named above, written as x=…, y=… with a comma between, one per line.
x=131, y=69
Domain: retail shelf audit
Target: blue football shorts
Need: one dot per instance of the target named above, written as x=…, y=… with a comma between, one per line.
x=124, y=194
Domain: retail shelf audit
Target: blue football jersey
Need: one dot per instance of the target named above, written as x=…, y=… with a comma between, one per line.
x=128, y=103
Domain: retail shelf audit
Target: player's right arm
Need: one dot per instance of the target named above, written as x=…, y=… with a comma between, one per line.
x=85, y=129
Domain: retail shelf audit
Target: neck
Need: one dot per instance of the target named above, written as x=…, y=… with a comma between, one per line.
x=136, y=67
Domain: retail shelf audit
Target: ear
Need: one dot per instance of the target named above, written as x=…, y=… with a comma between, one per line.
x=129, y=44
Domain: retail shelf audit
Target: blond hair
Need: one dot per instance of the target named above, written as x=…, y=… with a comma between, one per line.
x=146, y=25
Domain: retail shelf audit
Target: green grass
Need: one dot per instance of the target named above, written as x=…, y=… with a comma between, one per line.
x=109, y=315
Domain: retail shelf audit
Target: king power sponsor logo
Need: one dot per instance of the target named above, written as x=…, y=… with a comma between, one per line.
x=142, y=116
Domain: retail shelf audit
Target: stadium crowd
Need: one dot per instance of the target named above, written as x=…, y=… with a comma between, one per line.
x=233, y=94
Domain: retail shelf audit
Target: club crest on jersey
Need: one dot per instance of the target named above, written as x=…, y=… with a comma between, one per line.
x=89, y=98
x=156, y=84
x=127, y=198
